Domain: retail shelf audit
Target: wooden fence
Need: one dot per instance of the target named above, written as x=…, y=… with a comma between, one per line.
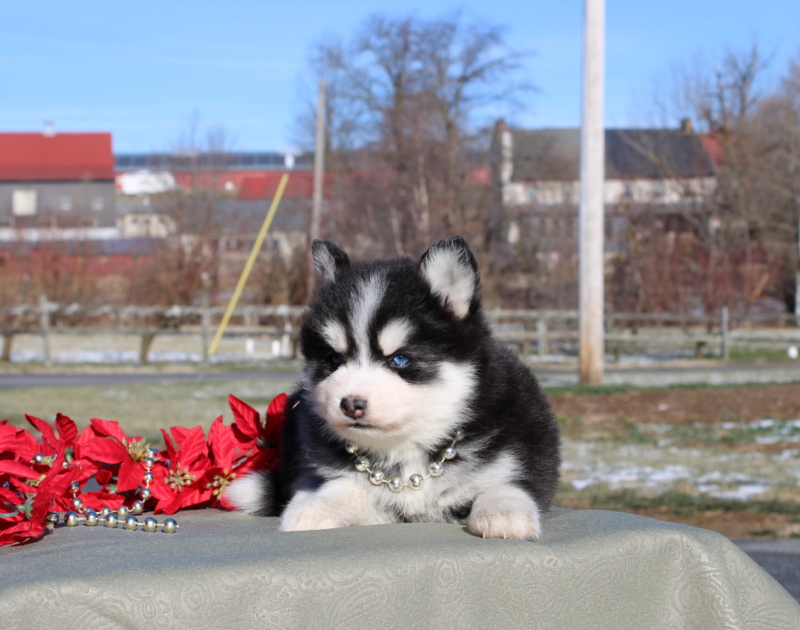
x=535, y=334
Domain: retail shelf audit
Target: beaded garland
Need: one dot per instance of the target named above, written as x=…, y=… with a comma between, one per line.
x=110, y=517
x=378, y=478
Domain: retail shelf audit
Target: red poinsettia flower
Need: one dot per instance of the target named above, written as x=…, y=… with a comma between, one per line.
x=16, y=443
x=229, y=459
x=106, y=443
x=52, y=444
x=178, y=485
x=34, y=497
x=264, y=437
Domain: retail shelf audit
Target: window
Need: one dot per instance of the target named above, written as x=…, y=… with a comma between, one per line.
x=658, y=190
x=65, y=203
x=23, y=203
x=531, y=192
x=97, y=204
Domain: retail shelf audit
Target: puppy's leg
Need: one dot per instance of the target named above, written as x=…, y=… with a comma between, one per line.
x=505, y=512
x=337, y=503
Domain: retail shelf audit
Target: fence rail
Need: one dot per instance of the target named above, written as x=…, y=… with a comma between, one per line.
x=544, y=331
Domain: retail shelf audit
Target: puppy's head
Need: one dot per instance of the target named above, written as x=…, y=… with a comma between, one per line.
x=391, y=346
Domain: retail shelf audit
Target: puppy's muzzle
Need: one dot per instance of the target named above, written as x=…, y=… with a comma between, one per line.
x=353, y=407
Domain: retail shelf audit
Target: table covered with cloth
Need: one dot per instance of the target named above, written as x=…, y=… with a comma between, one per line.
x=591, y=569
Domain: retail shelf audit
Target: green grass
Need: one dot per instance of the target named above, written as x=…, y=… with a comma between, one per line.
x=678, y=503
x=141, y=408
x=759, y=355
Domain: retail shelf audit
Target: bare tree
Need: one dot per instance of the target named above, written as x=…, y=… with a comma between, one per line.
x=188, y=258
x=748, y=238
x=405, y=98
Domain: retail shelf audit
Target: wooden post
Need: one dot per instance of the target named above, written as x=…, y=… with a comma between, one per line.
x=541, y=330
x=205, y=323
x=144, y=348
x=45, y=323
x=319, y=179
x=591, y=210
x=725, y=349
x=7, y=339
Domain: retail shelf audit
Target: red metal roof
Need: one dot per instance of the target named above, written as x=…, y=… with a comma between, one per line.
x=61, y=156
x=713, y=147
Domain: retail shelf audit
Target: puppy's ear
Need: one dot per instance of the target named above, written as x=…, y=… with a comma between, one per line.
x=328, y=259
x=451, y=271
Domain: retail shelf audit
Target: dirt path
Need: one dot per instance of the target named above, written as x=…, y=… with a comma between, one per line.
x=681, y=406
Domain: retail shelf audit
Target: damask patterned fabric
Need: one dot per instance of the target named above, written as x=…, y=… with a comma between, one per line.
x=591, y=569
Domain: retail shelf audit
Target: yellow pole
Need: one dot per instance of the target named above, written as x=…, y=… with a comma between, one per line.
x=249, y=266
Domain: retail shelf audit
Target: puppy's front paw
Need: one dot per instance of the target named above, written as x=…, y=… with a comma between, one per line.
x=310, y=515
x=505, y=512
x=337, y=503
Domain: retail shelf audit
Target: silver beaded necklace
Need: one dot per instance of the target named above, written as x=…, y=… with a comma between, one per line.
x=377, y=477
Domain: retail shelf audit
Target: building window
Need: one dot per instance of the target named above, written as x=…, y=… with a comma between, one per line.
x=658, y=190
x=567, y=193
x=97, y=204
x=628, y=194
x=65, y=203
x=531, y=192
x=23, y=203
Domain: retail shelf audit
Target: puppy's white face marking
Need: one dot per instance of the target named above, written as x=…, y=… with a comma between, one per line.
x=334, y=333
x=364, y=309
x=394, y=336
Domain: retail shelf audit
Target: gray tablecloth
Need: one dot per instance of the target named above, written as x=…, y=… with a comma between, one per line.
x=591, y=569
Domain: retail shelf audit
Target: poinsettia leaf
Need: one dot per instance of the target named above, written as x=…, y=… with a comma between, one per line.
x=48, y=435
x=169, y=505
x=104, y=477
x=130, y=475
x=172, y=452
x=110, y=428
x=223, y=444
x=276, y=414
x=87, y=435
x=277, y=409
x=67, y=429
x=99, y=499
x=18, y=469
x=193, y=446
x=8, y=438
x=86, y=468
x=181, y=434
x=105, y=450
x=247, y=419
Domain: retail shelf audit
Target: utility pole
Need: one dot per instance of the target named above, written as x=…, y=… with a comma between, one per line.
x=591, y=210
x=319, y=173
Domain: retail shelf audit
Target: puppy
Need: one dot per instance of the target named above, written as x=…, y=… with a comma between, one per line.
x=408, y=409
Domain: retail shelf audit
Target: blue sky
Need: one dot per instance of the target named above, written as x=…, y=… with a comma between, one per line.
x=147, y=71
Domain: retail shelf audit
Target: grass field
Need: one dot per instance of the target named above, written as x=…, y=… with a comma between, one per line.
x=143, y=408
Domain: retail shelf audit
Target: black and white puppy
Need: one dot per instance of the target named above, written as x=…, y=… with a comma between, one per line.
x=408, y=409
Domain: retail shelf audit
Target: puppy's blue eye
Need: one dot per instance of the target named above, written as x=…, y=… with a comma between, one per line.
x=335, y=358
x=400, y=360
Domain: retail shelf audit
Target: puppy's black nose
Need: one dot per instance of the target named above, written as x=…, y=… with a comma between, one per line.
x=353, y=407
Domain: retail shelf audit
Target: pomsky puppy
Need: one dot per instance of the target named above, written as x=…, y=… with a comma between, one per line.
x=408, y=409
